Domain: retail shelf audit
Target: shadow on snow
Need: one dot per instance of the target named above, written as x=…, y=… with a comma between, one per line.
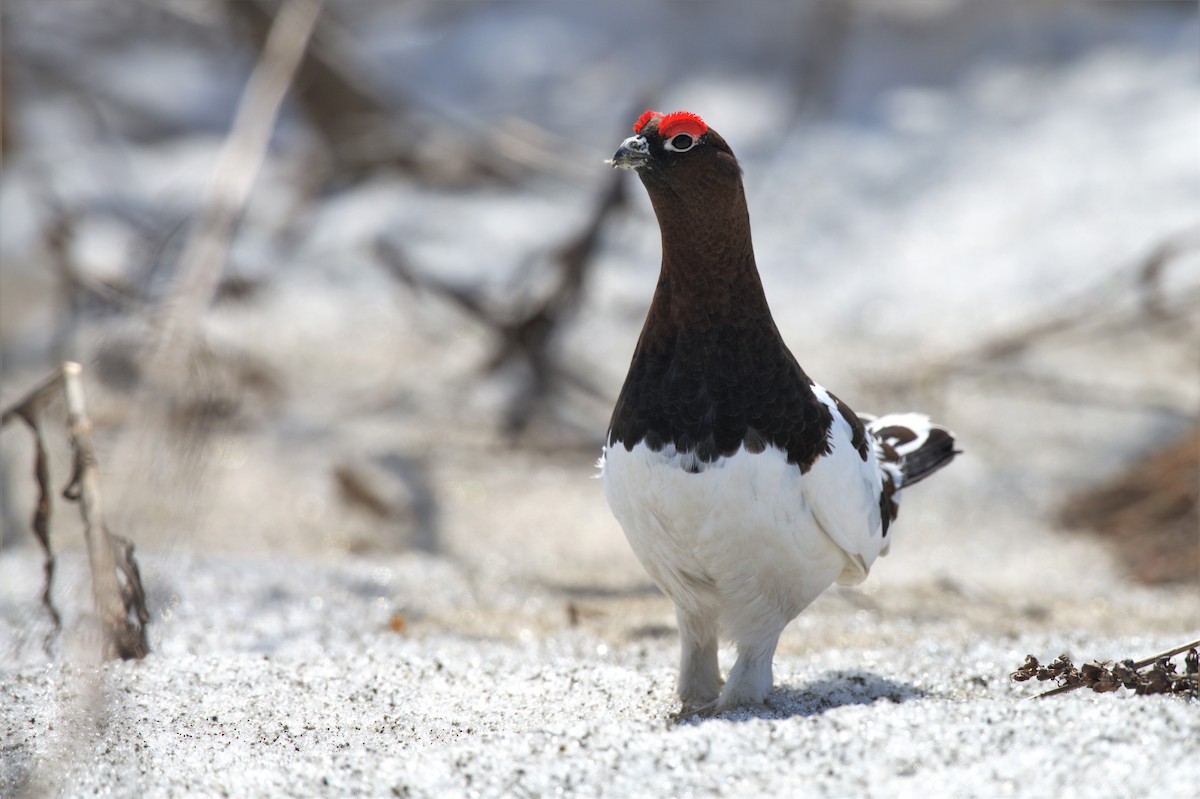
x=832, y=690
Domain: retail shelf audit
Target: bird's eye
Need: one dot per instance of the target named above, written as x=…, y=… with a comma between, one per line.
x=681, y=142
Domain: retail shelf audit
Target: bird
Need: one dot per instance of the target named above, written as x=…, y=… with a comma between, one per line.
x=744, y=488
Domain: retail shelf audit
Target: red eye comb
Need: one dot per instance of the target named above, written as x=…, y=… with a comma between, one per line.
x=681, y=122
x=643, y=119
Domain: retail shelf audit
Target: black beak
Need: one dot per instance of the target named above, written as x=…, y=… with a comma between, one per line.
x=632, y=153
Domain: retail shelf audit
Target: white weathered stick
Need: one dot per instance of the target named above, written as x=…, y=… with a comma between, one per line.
x=237, y=168
x=105, y=588
x=174, y=379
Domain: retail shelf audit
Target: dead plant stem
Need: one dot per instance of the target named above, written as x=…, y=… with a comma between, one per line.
x=1141, y=664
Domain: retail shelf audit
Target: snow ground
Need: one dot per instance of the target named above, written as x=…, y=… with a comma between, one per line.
x=280, y=677
x=302, y=648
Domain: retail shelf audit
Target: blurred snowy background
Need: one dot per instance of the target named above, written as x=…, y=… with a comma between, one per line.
x=375, y=423
x=986, y=210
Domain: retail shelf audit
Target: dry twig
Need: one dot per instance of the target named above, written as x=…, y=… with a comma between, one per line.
x=29, y=411
x=336, y=103
x=525, y=335
x=116, y=581
x=238, y=165
x=1162, y=678
x=366, y=126
x=179, y=390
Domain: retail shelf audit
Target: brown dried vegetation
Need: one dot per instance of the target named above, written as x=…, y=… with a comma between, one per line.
x=1154, y=675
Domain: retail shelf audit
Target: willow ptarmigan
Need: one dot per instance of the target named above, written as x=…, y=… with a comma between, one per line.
x=744, y=488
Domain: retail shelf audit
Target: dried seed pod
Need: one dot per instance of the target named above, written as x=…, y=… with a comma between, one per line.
x=1126, y=674
x=1102, y=680
x=1026, y=671
x=1054, y=670
x=1156, y=682
x=1063, y=670
x=1161, y=677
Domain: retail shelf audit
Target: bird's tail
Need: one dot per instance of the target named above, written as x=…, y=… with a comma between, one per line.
x=910, y=447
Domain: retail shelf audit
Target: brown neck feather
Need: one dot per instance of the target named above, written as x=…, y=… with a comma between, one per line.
x=709, y=276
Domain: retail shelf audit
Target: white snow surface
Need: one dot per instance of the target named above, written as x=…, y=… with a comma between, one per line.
x=301, y=647
x=280, y=677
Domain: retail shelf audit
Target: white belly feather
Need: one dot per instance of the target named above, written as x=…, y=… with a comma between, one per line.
x=747, y=537
x=739, y=538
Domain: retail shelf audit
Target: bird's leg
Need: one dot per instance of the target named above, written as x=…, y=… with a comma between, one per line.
x=699, y=675
x=750, y=678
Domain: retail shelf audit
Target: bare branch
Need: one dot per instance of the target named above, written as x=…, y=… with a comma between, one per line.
x=1103, y=678
x=125, y=637
x=525, y=335
x=116, y=581
x=29, y=409
x=31, y=404
x=238, y=165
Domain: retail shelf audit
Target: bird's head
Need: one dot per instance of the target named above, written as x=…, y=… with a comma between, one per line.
x=680, y=159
